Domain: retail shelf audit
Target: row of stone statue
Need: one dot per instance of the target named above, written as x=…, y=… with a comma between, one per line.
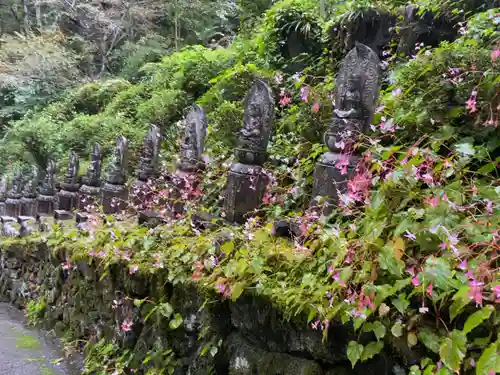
x=358, y=86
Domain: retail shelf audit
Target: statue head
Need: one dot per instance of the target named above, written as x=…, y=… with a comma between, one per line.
x=73, y=168
x=93, y=175
x=358, y=85
x=117, y=172
x=257, y=124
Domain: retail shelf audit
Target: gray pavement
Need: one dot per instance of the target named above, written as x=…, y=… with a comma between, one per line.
x=25, y=351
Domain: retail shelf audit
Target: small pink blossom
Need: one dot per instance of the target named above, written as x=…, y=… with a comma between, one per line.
x=304, y=93
x=410, y=235
x=315, y=325
x=423, y=310
x=315, y=107
x=133, y=269
x=126, y=326
x=495, y=54
x=416, y=281
x=429, y=290
x=432, y=201
x=285, y=100
x=471, y=104
x=463, y=265
x=472, y=363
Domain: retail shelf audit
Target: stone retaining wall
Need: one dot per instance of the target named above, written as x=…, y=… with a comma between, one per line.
x=252, y=338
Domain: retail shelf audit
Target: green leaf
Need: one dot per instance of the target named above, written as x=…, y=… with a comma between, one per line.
x=354, y=352
x=176, y=322
x=401, y=303
x=465, y=149
x=165, y=309
x=236, y=291
x=489, y=360
x=227, y=247
x=439, y=272
x=397, y=329
x=429, y=339
x=457, y=307
x=379, y=330
x=477, y=318
x=371, y=350
x=452, y=350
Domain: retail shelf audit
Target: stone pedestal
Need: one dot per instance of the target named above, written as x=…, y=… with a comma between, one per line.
x=29, y=206
x=68, y=197
x=62, y=215
x=13, y=207
x=329, y=180
x=88, y=196
x=114, y=198
x=245, y=190
x=46, y=205
x=150, y=219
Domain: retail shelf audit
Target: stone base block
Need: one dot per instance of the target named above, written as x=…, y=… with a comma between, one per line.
x=245, y=190
x=29, y=207
x=114, y=198
x=13, y=207
x=331, y=177
x=62, y=215
x=150, y=219
x=88, y=196
x=46, y=205
x=67, y=200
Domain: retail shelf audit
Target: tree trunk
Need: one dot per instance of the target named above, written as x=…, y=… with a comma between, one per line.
x=38, y=14
x=26, y=20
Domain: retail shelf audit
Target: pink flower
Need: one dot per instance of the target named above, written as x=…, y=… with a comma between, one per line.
x=429, y=290
x=463, y=265
x=126, y=326
x=315, y=107
x=67, y=266
x=432, y=201
x=410, y=235
x=133, y=269
x=304, y=93
x=472, y=363
x=476, y=292
x=471, y=103
x=285, y=101
x=331, y=269
x=221, y=288
x=496, y=291
x=416, y=282
x=495, y=54
x=315, y=324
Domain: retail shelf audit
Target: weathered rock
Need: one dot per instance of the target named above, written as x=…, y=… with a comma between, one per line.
x=250, y=360
x=29, y=205
x=3, y=194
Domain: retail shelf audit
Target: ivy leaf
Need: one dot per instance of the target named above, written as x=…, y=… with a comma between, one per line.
x=354, y=352
x=453, y=349
x=379, y=330
x=237, y=289
x=429, y=339
x=397, y=329
x=166, y=309
x=371, y=350
x=465, y=149
x=227, y=247
x=489, y=361
x=401, y=303
x=176, y=322
x=477, y=318
x=411, y=339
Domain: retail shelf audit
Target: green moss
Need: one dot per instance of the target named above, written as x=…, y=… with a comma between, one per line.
x=27, y=342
